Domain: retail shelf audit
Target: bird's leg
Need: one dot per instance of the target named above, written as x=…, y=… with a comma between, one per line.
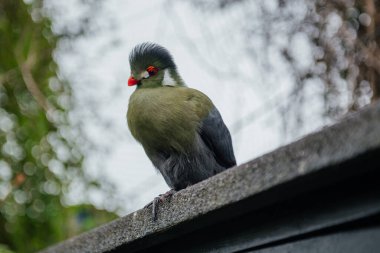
x=161, y=198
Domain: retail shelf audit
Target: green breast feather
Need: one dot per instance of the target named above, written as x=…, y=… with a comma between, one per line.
x=167, y=117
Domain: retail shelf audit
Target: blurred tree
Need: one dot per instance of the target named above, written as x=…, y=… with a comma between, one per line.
x=343, y=38
x=39, y=154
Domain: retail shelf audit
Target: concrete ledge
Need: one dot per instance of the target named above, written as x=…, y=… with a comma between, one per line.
x=213, y=200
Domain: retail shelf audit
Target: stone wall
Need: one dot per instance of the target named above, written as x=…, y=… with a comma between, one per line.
x=318, y=194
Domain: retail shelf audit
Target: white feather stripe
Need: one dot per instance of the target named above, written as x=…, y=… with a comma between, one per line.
x=168, y=79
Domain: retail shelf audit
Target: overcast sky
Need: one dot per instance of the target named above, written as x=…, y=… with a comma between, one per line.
x=210, y=53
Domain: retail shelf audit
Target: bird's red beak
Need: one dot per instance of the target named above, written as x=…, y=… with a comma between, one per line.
x=132, y=81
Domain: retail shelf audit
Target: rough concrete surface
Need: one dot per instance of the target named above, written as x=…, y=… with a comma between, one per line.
x=354, y=135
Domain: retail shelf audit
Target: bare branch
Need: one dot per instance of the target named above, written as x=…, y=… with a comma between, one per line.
x=31, y=84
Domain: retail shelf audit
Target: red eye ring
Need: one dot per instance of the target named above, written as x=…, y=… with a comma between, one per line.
x=152, y=70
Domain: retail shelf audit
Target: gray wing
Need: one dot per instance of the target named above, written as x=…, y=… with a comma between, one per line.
x=216, y=136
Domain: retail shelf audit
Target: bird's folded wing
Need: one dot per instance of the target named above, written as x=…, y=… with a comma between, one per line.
x=216, y=136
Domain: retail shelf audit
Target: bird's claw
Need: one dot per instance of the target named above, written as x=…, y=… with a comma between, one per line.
x=155, y=203
x=167, y=195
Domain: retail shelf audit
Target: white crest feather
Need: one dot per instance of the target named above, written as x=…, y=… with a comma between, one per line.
x=168, y=79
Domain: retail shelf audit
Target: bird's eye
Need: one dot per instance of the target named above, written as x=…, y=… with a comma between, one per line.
x=152, y=70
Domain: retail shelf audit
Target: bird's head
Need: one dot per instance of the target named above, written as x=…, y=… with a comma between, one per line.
x=152, y=66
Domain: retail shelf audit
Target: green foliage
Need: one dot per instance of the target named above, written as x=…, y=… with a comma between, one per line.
x=5, y=249
x=39, y=154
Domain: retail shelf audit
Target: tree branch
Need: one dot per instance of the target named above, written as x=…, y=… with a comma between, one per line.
x=31, y=84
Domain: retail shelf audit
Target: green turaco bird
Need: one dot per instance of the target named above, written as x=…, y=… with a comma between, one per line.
x=179, y=128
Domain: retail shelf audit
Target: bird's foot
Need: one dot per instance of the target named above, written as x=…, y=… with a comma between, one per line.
x=161, y=198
